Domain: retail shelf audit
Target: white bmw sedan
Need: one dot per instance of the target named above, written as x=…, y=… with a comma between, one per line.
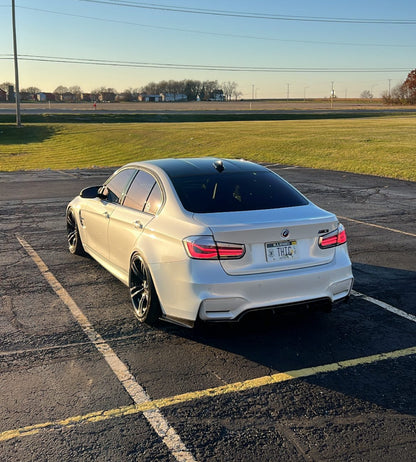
x=210, y=239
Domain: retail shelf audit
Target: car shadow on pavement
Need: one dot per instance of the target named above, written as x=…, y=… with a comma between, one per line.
x=292, y=339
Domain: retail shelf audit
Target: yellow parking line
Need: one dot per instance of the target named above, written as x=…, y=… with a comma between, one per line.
x=207, y=393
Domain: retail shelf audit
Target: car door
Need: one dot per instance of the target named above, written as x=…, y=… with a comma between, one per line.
x=129, y=220
x=96, y=213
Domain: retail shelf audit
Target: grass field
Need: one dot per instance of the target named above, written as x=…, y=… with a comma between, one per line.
x=383, y=146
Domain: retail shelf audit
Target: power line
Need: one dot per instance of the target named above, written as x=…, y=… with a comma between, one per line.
x=241, y=14
x=138, y=64
x=237, y=36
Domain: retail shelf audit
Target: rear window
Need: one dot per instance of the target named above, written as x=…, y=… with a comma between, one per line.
x=231, y=192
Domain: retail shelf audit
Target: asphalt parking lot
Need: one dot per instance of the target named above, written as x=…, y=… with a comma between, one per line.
x=82, y=380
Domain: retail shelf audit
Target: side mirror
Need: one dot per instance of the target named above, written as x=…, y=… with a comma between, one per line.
x=90, y=193
x=103, y=192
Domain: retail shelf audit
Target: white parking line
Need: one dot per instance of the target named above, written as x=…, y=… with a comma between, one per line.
x=136, y=391
x=384, y=305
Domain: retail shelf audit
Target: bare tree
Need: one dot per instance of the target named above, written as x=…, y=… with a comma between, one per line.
x=5, y=86
x=208, y=87
x=366, y=94
x=76, y=91
x=237, y=94
x=229, y=88
x=61, y=90
x=103, y=90
x=151, y=88
x=32, y=90
x=192, y=89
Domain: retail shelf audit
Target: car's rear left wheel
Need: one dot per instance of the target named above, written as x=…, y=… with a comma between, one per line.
x=143, y=295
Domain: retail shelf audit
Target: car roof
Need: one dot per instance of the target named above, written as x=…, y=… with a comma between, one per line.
x=202, y=166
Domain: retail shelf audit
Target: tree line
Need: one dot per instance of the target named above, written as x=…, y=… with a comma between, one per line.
x=192, y=89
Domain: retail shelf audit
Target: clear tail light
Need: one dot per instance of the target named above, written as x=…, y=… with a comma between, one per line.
x=333, y=239
x=205, y=248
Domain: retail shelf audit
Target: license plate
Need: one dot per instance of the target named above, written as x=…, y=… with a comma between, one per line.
x=281, y=251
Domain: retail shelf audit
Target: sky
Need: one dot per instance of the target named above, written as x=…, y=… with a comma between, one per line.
x=270, y=48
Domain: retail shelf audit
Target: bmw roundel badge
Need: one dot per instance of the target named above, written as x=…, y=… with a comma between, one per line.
x=285, y=233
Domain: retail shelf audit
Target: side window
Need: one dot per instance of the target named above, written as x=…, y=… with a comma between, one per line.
x=139, y=191
x=118, y=183
x=154, y=201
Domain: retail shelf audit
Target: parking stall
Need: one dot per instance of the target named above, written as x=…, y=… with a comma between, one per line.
x=80, y=378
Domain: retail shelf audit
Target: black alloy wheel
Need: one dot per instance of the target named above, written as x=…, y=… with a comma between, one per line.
x=143, y=295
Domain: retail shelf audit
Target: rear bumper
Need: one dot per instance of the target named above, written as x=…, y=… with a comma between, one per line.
x=206, y=291
x=294, y=290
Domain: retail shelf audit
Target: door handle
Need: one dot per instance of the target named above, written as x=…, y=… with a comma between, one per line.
x=138, y=224
x=106, y=214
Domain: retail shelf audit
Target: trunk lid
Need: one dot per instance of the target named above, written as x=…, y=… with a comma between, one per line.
x=274, y=239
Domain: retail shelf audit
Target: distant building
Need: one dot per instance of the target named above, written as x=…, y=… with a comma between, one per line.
x=217, y=95
x=44, y=97
x=3, y=95
x=107, y=97
x=27, y=96
x=145, y=98
x=87, y=97
x=67, y=97
x=173, y=97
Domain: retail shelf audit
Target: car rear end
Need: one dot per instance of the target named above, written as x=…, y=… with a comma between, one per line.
x=284, y=260
x=263, y=245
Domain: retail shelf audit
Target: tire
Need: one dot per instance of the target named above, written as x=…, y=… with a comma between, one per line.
x=74, y=239
x=146, y=306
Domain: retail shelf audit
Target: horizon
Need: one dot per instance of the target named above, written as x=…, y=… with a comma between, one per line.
x=271, y=50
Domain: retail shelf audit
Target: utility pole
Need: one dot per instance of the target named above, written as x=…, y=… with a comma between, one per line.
x=16, y=69
x=389, y=88
x=287, y=91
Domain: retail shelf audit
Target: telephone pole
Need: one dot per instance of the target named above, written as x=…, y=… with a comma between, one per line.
x=16, y=69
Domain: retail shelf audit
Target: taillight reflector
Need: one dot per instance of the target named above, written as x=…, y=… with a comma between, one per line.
x=337, y=237
x=200, y=251
x=205, y=248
